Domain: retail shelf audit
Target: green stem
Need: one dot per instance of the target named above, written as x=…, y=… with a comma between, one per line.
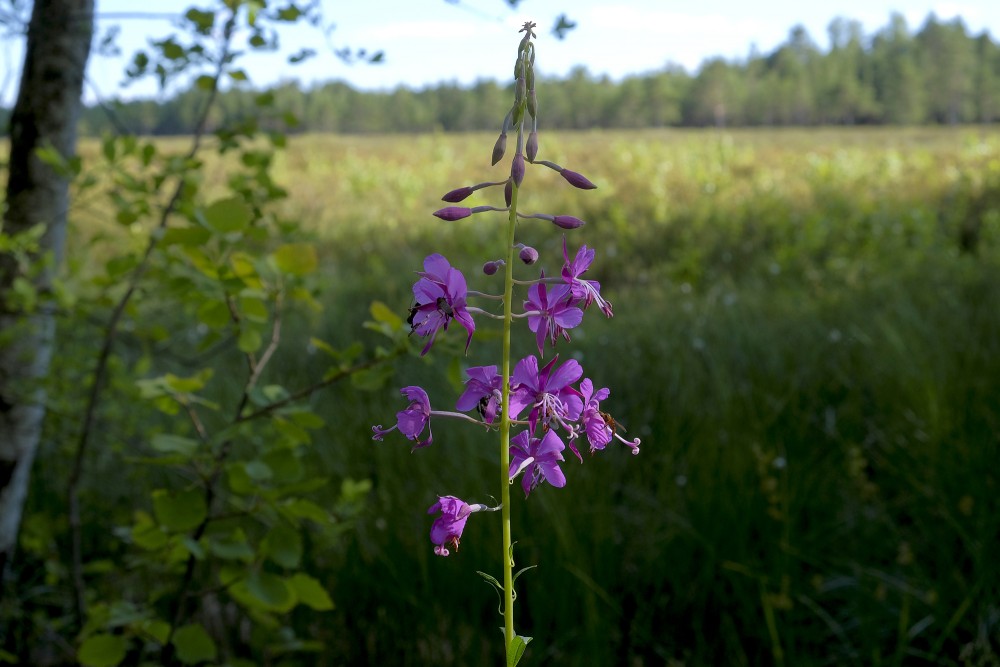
x=505, y=420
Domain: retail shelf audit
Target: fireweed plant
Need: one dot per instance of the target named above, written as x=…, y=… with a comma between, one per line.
x=551, y=406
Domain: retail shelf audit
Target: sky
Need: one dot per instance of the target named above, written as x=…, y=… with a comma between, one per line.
x=430, y=41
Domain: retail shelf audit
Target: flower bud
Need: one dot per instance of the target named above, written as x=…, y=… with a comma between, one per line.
x=532, y=104
x=577, y=180
x=528, y=255
x=531, y=148
x=458, y=195
x=517, y=169
x=451, y=213
x=490, y=268
x=519, y=89
x=508, y=192
x=567, y=222
x=500, y=147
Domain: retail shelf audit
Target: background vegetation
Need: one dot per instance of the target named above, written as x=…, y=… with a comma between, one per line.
x=805, y=338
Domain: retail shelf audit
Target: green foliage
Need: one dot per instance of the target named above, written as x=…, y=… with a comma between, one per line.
x=199, y=519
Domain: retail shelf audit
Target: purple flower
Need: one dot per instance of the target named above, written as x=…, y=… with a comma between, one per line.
x=412, y=421
x=555, y=313
x=547, y=392
x=440, y=297
x=447, y=529
x=538, y=459
x=482, y=391
x=587, y=291
x=577, y=180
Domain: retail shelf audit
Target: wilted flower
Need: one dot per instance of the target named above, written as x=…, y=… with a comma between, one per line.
x=412, y=421
x=447, y=529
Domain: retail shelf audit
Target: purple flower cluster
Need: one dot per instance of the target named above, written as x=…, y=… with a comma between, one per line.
x=550, y=408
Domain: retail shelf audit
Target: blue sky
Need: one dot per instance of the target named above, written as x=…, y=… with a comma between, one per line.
x=428, y=41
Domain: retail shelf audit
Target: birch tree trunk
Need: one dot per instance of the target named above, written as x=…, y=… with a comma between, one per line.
x=45, y=115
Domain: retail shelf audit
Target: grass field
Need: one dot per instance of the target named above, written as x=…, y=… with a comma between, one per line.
x=807, y=340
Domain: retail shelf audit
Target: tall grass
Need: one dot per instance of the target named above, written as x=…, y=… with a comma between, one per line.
x=807, y=345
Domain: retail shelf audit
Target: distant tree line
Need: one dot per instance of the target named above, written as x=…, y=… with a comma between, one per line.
x=940, y=74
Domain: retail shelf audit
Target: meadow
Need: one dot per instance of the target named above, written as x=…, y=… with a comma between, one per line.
x=806, y=339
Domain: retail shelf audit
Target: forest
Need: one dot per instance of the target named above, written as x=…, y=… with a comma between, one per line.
x=939, y=74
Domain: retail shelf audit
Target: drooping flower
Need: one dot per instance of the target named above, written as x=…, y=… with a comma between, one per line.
x=600, y=426
x=447, y=529
x=595, y=425
x=482, y=392
x=555, y=313
x=412, y=421
x=587, y=291
x=538, y=459
x=440, y=298
x=547, y=392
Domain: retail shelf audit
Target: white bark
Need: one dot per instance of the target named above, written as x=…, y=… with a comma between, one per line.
x=45, y=114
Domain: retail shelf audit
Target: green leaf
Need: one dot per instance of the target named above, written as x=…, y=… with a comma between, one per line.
x=205, y=82
x=102, y=650
x=174, y=444
x=301, y=508
x=516, y=649
x=382, y=313
x=283, y=545
x=520, y=572
x=249, y=340
x=228, y=215
x=310, y=592
x=146, y=534
x=297, y=259
x=179, y=511
x=185, y=236
x=254, y=308
x=232, y=547
x=155, y=628
x=271, y=591
x=193, y=645
x=214, y=314
x=258, y=470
